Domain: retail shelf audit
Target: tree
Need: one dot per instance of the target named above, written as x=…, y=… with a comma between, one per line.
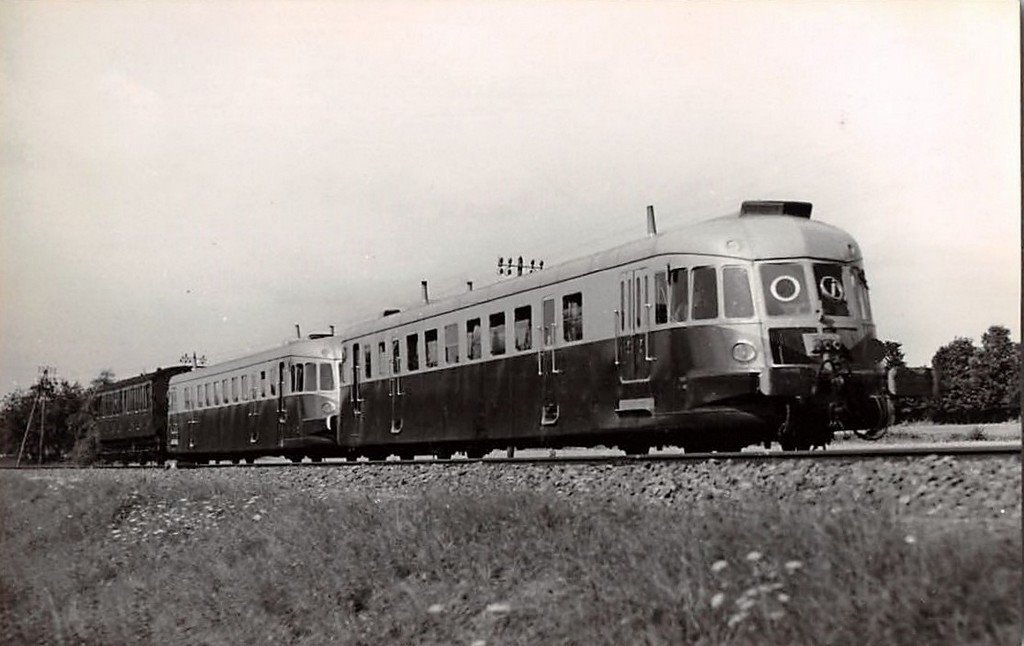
x=893, y=355
x=960, y=397
x=56, y=411
x=105, y=378
x=995, y=370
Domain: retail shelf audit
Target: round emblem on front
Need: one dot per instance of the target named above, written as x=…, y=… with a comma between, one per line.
x=785, y=288
x=832, y=287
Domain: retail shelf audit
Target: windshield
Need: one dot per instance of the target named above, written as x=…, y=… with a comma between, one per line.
x=785, y=290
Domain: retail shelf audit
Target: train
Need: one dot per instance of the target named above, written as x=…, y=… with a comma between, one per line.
x=750, y=328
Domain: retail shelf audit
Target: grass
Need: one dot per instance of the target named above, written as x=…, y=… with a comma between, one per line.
x=212, y=562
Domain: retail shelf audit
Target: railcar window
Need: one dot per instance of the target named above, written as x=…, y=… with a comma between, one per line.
x=451, y=344
x=785, y=292
x=473, y=341
x=412, y=346
x=310, y=370
x=622, y=305
x=234, y=389
x=326, y=376
x=245, y=387
x=547, y=308
x=736, y=288
x=308, y=376
x=430, y=341
x=382, y=358
x=859, y=288
x=831, y=291
x=497, y=325
x=295, y=377
x=572, y=317
x=396, y=356
x=680, y=294
x=368, y=360
x=522, y=324
x=263, y=383
x=173, y=399
x=216, y=393
x=637, y=307
x=660, y=298
x=705, y=293
x=188, y=397
x=224, y=390
x=208, y=394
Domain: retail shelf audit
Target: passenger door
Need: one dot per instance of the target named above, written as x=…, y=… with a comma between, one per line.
x=633, y=326
x=547, y=366
x=395, y=385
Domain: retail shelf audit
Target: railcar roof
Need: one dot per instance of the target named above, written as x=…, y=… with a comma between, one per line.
x=143, y=378
x=327, y=348
x=747, y=237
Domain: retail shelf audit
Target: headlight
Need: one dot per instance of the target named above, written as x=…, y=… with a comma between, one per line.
x=744, y=352
x=327, y=408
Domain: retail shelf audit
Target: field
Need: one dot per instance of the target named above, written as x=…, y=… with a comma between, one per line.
x=847, y=553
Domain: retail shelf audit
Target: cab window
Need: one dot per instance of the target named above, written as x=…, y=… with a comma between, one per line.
x=412, y=345
x=473, y=339
x=497, y=325
x=736, y=290
x=705, y=293
x=831, y=291
x=678, y=279
x=326, y=377
x=785, y=291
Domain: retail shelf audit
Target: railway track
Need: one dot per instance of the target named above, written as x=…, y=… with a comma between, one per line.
x=973, y=450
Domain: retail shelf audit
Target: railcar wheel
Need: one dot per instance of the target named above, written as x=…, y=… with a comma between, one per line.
x=295, y=459
x=475, y=454
x=443, y=455
x=636, y=449
x=317, y=459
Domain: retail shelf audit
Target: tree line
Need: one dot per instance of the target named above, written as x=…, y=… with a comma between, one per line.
x=53, y=419
x=976, y=384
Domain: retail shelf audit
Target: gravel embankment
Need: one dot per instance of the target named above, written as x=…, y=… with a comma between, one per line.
x=940, y=487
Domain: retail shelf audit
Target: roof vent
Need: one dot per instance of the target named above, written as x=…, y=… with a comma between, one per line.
x=390, y=312
x=760, y=207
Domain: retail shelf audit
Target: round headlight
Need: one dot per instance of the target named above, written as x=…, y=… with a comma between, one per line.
x=744, y=352
x=327, y=408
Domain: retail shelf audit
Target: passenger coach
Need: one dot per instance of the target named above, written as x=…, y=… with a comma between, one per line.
x=279, y=402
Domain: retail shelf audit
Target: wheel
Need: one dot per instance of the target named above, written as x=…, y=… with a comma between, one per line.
x=443, y=455
x=636, y=449
x=317, y=459
x=295, y=459
x=475, y=454
x=406, y=457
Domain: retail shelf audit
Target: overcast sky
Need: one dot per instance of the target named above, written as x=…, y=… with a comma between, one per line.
x=201, y=176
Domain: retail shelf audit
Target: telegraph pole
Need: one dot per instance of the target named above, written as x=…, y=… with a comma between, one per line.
x=40, y=401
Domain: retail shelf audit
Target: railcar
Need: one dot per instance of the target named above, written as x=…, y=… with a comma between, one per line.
x=750, y=328
x=282, y=401
x=131, y=417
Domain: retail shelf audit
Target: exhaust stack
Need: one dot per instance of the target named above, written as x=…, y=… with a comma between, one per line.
x=426, y=295
x=652, y=226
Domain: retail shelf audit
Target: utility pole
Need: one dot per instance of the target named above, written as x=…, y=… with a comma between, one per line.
x=40, y=400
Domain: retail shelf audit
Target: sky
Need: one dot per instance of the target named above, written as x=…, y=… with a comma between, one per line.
x=182, y=177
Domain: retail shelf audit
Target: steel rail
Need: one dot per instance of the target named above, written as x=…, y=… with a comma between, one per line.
x=988, y=450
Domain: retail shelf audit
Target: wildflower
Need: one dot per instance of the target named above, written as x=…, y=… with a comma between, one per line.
x=718, y=599
x=478, y=642
x=498, y=608
x=909, y=539
x=435, y=609
x=256, y=517
x=754, y=556
x=737, y=618
x=745, y=603
x=782, y=597
x=719, y=565
x=793, y=566
x=776, y=615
